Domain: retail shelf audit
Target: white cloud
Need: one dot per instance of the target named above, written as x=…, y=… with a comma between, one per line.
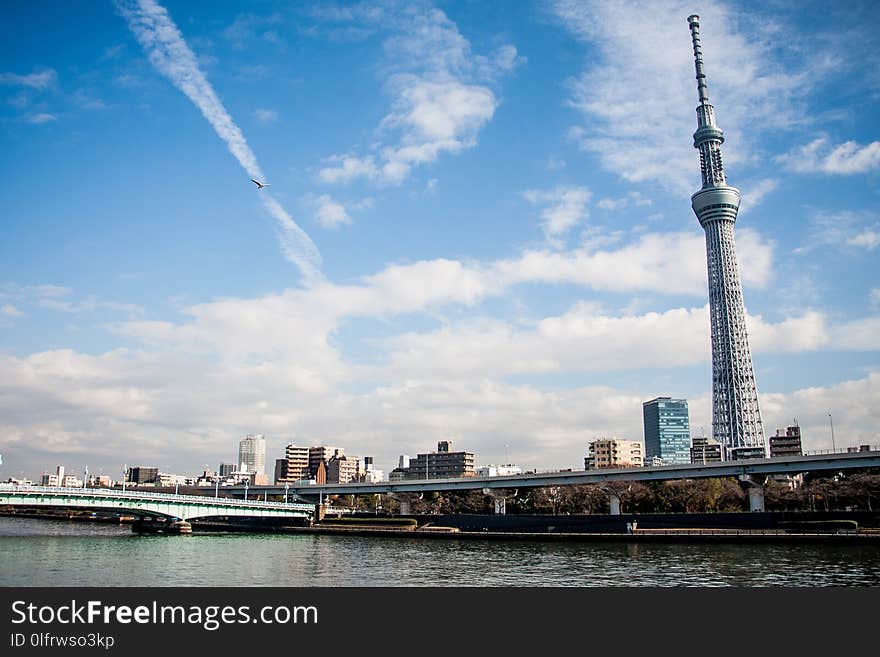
x=853, y=405
x=271, y=364
x=820, y=156
x=867, y=239
x=346, y=168
x=669, y=263
x=587, y=339
x=754, y=193
x=266, y=115
x=8, y=310
x=633, y=198
x=858, y=335
x=439, y=96
x=40, y=80
x=842, y=229
x=247, y=28
x=33, y=293
x=330, y=214
x=40, y=117
x=172, y=57
x=638, y=91
x=87, y=100
x=566, y=207
x=809, y=332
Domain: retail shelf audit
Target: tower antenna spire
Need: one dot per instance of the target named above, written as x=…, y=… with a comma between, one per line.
x=702, y=90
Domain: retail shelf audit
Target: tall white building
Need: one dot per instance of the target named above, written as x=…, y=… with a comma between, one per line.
x=252, y=454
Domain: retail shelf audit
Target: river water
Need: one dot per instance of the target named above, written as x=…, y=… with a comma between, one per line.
x=60, y=553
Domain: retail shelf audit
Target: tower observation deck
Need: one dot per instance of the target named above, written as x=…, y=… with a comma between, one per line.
x=736, y=418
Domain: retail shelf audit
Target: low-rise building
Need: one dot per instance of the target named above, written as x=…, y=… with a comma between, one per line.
x=371, y=474
x=168, y=479
x=297, y=462
x=342, y=469
x=615, y=453
x=498, y=470
x=280, y=471
x=19, y=482
x=143, y=475
x=399, y=473
x=321, y=454
x=750, y=452
x=442, y=464
x=294, y=466
x=786, y=444
x=59, y=479
x=706, y=450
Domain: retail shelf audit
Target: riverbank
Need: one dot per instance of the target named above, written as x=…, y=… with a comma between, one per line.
x=682, y=535
x=844, y=527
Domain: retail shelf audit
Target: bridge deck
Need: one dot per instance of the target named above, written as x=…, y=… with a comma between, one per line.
x=759, y=467
x=147, y=503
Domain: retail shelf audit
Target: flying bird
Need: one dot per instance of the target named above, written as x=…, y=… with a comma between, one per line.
x=259, y=184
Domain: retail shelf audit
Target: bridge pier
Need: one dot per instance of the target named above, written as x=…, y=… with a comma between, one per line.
x=320, y=512
x=167, y=526
x=755, y=489
x=179, y=527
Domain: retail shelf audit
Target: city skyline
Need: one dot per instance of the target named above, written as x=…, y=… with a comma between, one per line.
x=478, y=226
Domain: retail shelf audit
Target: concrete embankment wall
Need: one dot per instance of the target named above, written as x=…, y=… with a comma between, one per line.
x=601, y=523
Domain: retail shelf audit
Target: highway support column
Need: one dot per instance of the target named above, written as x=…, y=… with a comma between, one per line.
x=755, y=489
x=613, y=500
x=499, y=498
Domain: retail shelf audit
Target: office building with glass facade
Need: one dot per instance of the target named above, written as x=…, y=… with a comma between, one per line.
x=667, y=430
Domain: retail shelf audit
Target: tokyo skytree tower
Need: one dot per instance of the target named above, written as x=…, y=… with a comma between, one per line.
x=736, y=419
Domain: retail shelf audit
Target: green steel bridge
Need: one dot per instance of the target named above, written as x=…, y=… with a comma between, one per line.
x=146, y=504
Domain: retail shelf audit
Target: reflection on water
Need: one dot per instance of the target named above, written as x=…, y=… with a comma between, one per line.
x=52, y=553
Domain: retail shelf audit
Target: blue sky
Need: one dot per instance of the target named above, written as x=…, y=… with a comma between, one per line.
x=477, y=228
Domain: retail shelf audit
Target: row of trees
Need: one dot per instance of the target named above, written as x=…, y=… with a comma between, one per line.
x=857, y=491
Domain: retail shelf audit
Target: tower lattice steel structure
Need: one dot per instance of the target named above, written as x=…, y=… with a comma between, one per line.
x=736, y=419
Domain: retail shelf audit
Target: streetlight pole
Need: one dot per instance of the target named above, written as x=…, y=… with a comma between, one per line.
x=124, y=476
x=286, y=489
x=831, y=420
x=217, y=487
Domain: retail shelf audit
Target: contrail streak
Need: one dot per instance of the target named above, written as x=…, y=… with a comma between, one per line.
x=168, y=52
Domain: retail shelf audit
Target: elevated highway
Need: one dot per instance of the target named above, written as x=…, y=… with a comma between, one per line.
x=756, y=468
